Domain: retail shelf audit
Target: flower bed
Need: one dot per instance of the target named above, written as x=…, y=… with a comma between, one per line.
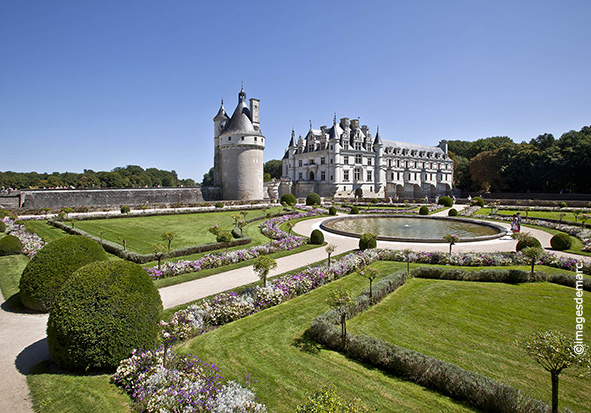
x=31, y=241
x=181, y=383
x=281, y=241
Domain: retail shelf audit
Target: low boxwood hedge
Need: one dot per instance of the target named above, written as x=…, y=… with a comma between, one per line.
x=103, y=311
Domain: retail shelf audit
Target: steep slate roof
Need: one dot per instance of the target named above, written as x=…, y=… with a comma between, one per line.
x=240, y=122
x=221, y=113
x=413, y=146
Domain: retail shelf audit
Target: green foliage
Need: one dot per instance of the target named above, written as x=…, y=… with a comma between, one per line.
x=525, y=241
x=561, y=241
x=332, y=211
x=424, y=210
x=316, y=237
x=103, y=312
x=313, y=199
x=453, y=212
x=236, y=232
x=367, y=240
x=262, y=265
x=2, y=226
x=354, y=209
x=208, y=179
x=289, y=199
x=10, y=245
x=51, y=267
x=478, y=201
x=327, y=400
x=274, y=168
x=219, y=204
x=446, y=201
x=125, y=209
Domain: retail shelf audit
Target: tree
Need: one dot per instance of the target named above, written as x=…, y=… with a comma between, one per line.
x=262, y=265
x=225, y=237
x=159, y=252
x=555, y=352
x=168, y=236
x=274, y=168
x=290, y=225
x=330, y=248
x=371, y=274
x=451, y=239
x=341, y=301
x=208, y=179
x=241, y=224
x=533, y=254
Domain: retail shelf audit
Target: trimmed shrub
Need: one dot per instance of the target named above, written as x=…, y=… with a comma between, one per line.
x=561, y=241
x=49, y=269
x=478, y=201
x=332, y=211
x=313, y=199
x=368, y=240
x=10, y=245
x=3, y=226
x=446, y=201
x=354, y=209
x=316, y=237
x=453, y=212
x=526, y=242
x=219, y=204
x=125, y=209
x=289, y=199
x=236, y=233
x=424, y=210
x=103, y=312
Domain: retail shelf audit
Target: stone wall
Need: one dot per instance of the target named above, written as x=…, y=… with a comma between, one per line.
x=58, y=198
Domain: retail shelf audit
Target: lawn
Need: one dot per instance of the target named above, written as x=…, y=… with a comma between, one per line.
x=476, y=325
x=532, y=214
x=11, y=267
x=272, y=347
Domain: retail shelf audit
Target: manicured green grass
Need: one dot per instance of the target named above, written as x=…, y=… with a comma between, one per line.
x=140, y=233
x=46, y=231
x=533, y=214
x=62, y=392
x=273, y=348
x=475, y=325
x=11, y=268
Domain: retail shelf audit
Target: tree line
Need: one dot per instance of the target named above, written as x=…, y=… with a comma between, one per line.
x=544, y=164
x=120, y=177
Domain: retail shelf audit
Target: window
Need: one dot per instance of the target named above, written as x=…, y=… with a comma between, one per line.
x=358, y=159
x=322, y=160
x=331, y=160
x=392, y=175
x=300, y=176
x=322, y=176
x=229, y=138
x=389, y=163
x=345, y=175
x=358, y=146
x=398, y=163
x=346, y=160
x=357, y=174
x=255, y=138
x=311, y=162
x=331, y=147
x=242, y=138
x=345, y=145
x=369, y=161
x=331, y=178
x=369, y=177
x=300, y=163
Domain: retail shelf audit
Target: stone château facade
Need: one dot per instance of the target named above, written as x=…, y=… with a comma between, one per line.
x=238, y=151
x=346, y=160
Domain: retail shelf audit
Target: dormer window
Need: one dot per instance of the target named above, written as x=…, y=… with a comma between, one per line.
x=242, y=138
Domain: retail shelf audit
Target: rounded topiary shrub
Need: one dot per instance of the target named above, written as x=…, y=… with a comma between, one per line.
x=2, y=226
x=313, y=199
x=289, y=199
x=446, y=201
x=354, y=209
x=527, y=242
x=368, y=240
x=316, y=237
x=10, y=245
x=478, y=201
x=125, y=209
x=104, y=311
x=561, y=241
x=453, y=212
x=47, y=271
x=424, y=210
x=219, y=204
x=332, y=211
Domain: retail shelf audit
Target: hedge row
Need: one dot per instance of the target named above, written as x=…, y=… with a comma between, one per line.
x=448, y=379
x=118, y=250
x=498, y=275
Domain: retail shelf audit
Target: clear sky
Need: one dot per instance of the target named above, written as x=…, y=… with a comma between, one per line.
x=99, y=84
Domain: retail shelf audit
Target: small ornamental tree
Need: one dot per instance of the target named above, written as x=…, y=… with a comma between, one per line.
x=561, y=217
x=225, y=237
x=327, y=400
x=241, y=225
x=125, y=209
x=451, y=239
x=236, y=218
x=341, y=301
x=533, y=254
x=159, y=251
x=262, y=265
x=584, y=218
x=122, y=241
x=330, y=248
x=289, y=225
x=555, y=352
x=168, y=236
x=524, y=240
x=101, y=233
x=371, y=274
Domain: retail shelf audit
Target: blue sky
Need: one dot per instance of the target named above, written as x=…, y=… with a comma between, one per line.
x=100, y=84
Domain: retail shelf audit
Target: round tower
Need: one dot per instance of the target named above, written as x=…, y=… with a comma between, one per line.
x=240, y=153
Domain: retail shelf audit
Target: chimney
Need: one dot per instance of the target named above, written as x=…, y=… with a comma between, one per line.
x=254, y=111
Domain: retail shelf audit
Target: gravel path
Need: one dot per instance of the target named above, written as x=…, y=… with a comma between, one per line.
x=23, y=339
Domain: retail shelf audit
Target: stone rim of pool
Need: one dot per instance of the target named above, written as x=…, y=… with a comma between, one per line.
x=502, y=231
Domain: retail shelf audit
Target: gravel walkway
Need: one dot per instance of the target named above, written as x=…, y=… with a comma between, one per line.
x=23, y=339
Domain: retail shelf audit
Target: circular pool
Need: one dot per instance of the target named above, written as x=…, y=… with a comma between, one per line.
x=414, y=229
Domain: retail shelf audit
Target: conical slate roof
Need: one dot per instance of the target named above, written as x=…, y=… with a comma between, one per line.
x=221, y=113
x=240, y=123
